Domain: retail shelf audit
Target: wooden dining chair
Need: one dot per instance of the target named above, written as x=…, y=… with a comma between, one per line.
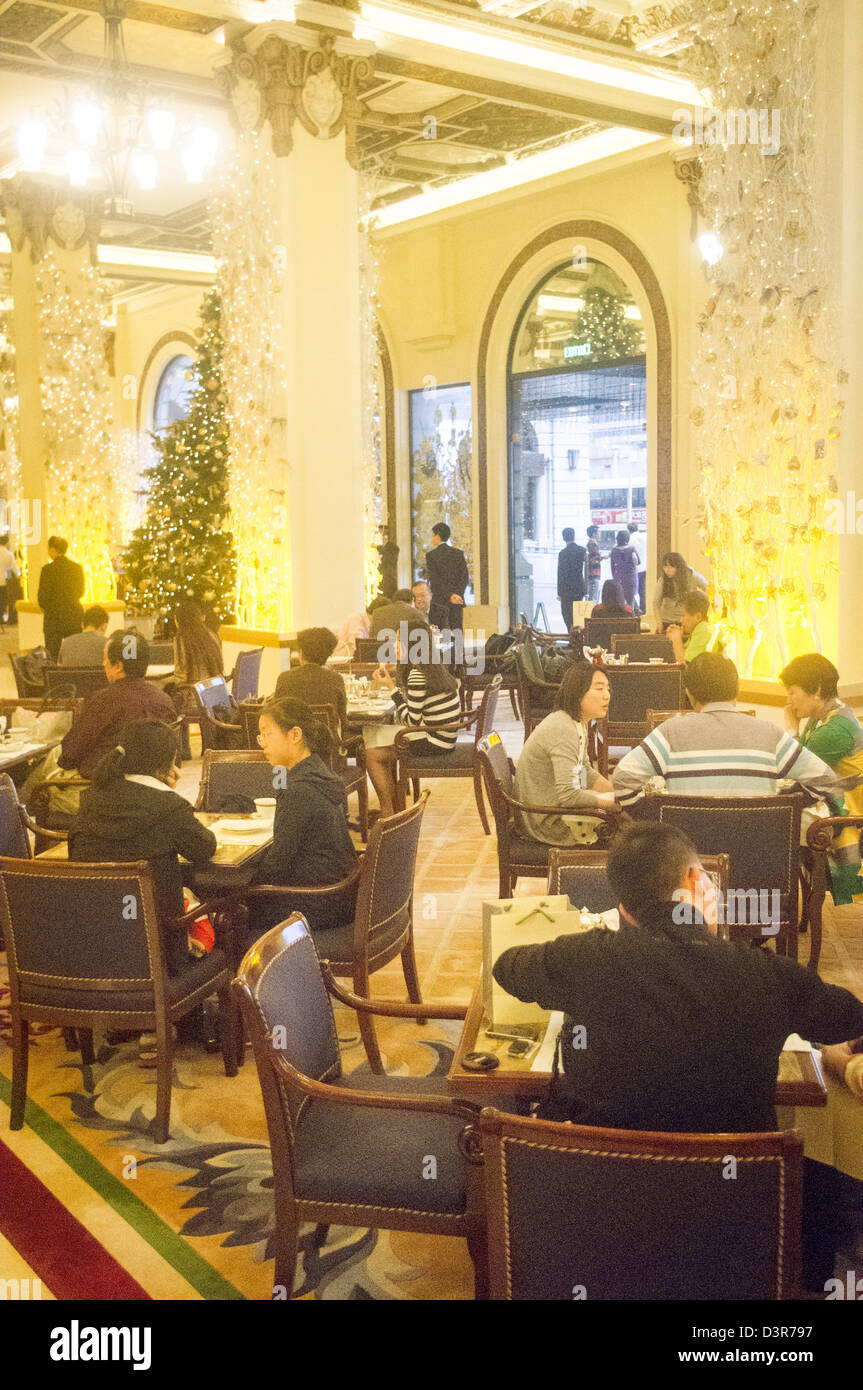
x=815, y=876
x=537, y=695
x=579, y=1212
x=212, y=699
x=246, y=675
x=375, y=901
x=581, y=875
x=79, y=681
x=761, y=836
x=85, y=950
x=635, y=690
x=233, y=772
x=345, y=1149
x=655, y=717
x=641, y=646
x=518, y=855
x=461, y=761
x=598, y=632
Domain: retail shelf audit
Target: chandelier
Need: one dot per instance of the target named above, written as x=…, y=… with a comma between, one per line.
x=117, y=133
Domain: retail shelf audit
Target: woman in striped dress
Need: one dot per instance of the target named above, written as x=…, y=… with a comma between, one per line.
x=427, y=705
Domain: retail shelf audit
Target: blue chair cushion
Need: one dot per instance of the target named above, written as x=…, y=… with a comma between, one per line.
x=368, y=1157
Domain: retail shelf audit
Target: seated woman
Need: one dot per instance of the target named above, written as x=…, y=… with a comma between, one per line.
x=197, y=651
x=833, y=733
x=613, y=603
x=311, y=845
x=132, y=812
x=427, y=705
x=554, y=770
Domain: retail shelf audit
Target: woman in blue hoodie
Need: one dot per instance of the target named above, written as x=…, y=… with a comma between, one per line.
x=311, y=845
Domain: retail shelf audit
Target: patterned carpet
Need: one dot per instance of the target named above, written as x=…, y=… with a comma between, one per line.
x=193, y=1218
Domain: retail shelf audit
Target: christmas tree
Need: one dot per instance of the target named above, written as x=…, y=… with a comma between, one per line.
x=603, y=324
x=184, y=550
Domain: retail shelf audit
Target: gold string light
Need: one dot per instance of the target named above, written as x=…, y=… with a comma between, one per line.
x=243, y=216
x=77, y=418
x=765, y=411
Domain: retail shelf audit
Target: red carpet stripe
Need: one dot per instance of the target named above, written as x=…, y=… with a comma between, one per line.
x=61, y=1252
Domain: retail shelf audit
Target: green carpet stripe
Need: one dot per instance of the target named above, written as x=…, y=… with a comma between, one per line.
x=197, y=1271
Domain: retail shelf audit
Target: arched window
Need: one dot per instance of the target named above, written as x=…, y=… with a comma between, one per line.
x=173, y=393
x=577, y=425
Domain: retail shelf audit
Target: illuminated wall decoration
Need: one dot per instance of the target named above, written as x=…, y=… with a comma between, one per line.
x=243, y=216
x=441, y=432
x=77, y=418
x=766, y=409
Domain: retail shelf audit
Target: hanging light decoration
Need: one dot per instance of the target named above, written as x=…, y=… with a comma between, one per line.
x=115, y=134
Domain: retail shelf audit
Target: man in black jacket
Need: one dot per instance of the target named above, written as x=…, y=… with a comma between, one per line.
x=666, y=1028
x=61, y=588
x=447, y=574
x=681, y=1031
x=570, y=576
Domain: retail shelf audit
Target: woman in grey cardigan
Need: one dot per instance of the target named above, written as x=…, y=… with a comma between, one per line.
x=553, y=769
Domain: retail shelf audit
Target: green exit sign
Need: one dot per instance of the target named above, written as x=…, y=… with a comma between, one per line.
x=577, y=350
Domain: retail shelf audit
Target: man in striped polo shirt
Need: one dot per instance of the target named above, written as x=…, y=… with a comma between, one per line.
x=717, y=751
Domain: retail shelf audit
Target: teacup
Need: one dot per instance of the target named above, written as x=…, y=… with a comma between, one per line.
x=265, y=807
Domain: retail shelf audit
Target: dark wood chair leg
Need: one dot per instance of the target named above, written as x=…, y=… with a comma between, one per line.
x=164, y=1070
x=70, y=1038
x=363, y=810
x=480, y=801
x=88, y=1057
x=286, y=1240
x=228, y=1031
x=367, y=1024
x=477, y=1245
x=409, y=968
x=513, y=700
x=20, y=1061
x=815, y=905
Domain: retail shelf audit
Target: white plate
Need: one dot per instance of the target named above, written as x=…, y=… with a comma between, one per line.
x=241, y=827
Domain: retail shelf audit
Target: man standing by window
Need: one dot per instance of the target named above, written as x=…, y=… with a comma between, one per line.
x=447, y=572
x=570, y=575
x=61, y=588
x=594, y=564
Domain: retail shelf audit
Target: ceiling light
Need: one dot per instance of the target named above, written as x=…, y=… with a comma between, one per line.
x=205, y=143
x=470, y=37
x=87, y=120
x=562, y=158
x=560, y=304
x=32, y=139
x=633, y=312
x=161, y=124
x=711, y=248
x=77, y=167
x=145, y=168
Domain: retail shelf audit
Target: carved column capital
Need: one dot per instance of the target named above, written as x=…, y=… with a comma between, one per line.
x=689, y=170
x=40, y=213
x=283, y=82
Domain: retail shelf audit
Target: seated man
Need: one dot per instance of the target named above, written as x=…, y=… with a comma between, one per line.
x=86, y=648
x=717, y=751
x=127, y=696
x=666, y=1027
x=421, y=593
x=401, y=609
x=312, y=680
x=695, y=634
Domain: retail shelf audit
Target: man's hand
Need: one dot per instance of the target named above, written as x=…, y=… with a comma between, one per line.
x=675, y=634
x=792, y=723
x=382, y=677
x=456, y=598
x=172, y=777
x=836, y=1058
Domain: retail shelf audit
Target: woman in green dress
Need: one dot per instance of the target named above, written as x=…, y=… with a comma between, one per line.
x=834, y=734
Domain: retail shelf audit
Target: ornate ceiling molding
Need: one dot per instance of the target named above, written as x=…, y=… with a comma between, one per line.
x=39, y=213
x=283, y=82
